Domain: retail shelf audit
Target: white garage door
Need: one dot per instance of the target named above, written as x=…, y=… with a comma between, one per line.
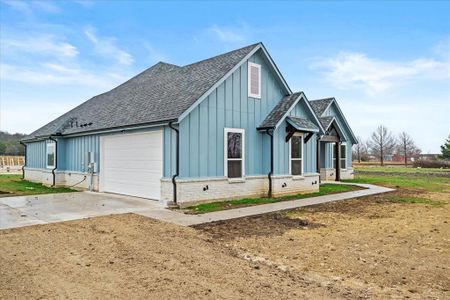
x=131, y=164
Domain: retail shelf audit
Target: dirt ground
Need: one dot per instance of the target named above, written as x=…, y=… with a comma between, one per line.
x=364, y=248
x=133, y=257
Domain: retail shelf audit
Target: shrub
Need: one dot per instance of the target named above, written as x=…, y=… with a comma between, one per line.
x=431, y=164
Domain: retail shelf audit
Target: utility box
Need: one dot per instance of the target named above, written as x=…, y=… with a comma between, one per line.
x=91, y=165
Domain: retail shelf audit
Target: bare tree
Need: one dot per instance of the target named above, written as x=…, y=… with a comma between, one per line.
x=406, y=147
x=381, y=142
x=360, y=150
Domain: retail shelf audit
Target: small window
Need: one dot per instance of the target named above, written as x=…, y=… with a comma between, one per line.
x=51, y=155
x=343, y=156
x=296, y=155
x=234, y=153
x=254, y=80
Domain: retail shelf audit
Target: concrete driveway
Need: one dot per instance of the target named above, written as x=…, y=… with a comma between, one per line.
x=41, y=209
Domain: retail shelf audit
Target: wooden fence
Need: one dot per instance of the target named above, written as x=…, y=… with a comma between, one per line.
x=12, y=161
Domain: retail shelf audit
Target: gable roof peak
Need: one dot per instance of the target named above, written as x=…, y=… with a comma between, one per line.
x=245, y=49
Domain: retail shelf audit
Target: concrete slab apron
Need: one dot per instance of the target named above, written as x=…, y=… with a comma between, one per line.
x=42, y=209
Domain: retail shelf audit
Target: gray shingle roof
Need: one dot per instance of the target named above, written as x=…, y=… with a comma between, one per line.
x=319, y=106
x=303, y=124
x=326, y=121
x=279, y=111
x=161, y=93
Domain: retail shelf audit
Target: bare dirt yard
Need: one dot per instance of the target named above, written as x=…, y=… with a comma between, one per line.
x=394, y=245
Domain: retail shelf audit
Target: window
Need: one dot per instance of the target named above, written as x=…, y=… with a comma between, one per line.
x=343, y=155
x=51, y=154
x=234, y=153
x=254, y=80
x=296, y=155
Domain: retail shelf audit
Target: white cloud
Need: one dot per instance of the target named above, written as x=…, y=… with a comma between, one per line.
x=28, y=7
x=51, y=73
x=43, y=44
x=107, y=47
x=229, y=34
x=353, y=70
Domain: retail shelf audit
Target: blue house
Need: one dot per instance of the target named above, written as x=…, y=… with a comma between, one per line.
x=221, y=128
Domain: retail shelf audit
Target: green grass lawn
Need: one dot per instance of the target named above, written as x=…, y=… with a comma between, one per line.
x=13, y=185
x=396, y=169
x=325, y=189
x=427, y=183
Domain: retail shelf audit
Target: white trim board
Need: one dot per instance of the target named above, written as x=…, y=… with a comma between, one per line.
x=225, y=151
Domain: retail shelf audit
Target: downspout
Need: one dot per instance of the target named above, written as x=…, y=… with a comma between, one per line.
x=56, y=159
x=177, y=163
x=25, y=163
x=270, y=133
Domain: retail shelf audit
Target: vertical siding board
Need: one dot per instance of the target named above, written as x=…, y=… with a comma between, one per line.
x=184, y=147
x=203, y=139
x=167, y=152
x=221, y=115
x=194, y=143
x=212, y=134
x=36, y=154
x=236, y=94
x=229, y=102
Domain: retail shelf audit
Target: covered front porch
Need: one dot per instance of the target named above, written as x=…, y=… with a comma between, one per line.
x=330, y=146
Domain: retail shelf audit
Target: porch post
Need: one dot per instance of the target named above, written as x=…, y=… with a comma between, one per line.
x=337, y=154
x=318, y=156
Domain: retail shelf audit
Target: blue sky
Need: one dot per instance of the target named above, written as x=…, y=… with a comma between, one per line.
x=386, y=62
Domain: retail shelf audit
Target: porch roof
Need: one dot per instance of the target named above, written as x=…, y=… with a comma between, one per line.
x=326, y=121
x=301, y=124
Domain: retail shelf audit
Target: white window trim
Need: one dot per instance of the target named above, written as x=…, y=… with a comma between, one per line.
x=50, y=145
x=334, y=158
x=225, y=151
x=290, y=156
x=250, y=94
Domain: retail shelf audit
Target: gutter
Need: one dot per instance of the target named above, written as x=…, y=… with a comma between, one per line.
x=177, y=164
x=25, y=164
x=105, y=130
x=56, y=159
x=270, y=133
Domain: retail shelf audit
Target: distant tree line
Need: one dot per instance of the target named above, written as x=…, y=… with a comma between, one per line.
x=383, y=142
x=10, y=143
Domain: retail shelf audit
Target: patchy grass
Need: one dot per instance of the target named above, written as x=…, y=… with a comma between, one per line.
x=13, y=185
x=427, y=183
x=396, y=169
x=325, y=189
x=415, y=200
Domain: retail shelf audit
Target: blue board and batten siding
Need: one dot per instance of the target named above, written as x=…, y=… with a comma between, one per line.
x=281, y=148
x=71, y=153
x=228, y=106
x=36, y=154
x=333, y=111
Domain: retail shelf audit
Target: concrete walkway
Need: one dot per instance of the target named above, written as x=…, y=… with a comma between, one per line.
x=189, y=220
x=50, y=208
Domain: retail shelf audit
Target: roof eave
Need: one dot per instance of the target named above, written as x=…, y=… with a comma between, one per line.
x=105, y=130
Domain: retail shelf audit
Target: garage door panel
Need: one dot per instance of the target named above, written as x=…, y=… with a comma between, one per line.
x=132, y=164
